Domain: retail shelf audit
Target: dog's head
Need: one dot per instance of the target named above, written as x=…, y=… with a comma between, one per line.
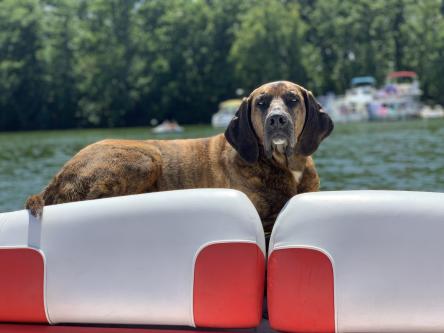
x=283, y=118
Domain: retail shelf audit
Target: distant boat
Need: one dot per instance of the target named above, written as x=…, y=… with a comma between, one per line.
x=430, y=113
x=353, y=105
x=397, y=99
x=168, y=127
x=226, y=112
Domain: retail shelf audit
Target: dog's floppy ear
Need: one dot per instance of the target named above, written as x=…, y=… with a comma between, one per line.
x=318, y=125
x=240, y=133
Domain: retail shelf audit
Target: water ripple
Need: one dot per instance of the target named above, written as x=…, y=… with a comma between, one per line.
x=396, y=156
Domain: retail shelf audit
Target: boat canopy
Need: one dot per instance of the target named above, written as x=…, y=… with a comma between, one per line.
x=363, y=80
x=398, y=74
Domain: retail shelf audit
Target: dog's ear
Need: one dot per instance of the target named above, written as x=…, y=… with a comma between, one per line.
x=240, y=133
x=318, y=125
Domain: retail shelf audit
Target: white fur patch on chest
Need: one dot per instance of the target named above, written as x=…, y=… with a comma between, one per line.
x=297, y=175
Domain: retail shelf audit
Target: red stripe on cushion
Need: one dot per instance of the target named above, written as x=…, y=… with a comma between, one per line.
x=24, y=328
x=300, y=291
x=21, y=286
x=229, y=285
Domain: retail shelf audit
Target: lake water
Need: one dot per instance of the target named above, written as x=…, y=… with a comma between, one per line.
x=406, y=155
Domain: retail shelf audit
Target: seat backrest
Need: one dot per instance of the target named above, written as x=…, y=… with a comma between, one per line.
x=191, y=257
x=358, y=261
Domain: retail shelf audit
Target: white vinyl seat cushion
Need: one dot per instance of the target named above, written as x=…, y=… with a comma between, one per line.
x=141, y=259
x=358, y=261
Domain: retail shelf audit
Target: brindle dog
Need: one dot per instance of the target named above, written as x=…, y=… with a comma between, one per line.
x=265, y=153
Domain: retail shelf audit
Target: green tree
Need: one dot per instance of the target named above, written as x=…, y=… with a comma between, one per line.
x=60, y=25
x=104, y=62
x=269, y=44
x=423, y=31
x=75, y=63
x=353, y=38
x=21, y=66
x=183, y=48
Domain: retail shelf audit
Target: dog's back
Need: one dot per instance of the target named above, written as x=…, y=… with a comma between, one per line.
x=122, y=167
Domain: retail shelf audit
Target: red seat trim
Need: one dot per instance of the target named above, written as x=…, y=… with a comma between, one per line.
x=300, y=291
x=9, y=328
x=22, y=285
x=229, y=286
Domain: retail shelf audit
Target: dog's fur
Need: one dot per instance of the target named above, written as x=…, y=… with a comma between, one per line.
x=269, y=165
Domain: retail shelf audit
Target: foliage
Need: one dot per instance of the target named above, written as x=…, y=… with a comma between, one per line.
x=109, y=63
x=268, y=44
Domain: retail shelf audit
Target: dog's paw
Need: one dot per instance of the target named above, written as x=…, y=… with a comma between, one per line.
x=35, y=204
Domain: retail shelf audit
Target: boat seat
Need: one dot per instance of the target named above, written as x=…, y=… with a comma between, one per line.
x=189, y=258
x=358, y=261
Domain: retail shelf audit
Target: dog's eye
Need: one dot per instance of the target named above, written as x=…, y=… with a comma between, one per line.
x=292, y=99
x=261, y=102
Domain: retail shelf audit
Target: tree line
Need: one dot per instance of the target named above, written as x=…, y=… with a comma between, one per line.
x=109, y=63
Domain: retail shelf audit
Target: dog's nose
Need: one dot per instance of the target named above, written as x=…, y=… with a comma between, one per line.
x=277, y=121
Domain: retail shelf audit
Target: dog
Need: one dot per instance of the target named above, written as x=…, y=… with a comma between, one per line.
x=265, y=152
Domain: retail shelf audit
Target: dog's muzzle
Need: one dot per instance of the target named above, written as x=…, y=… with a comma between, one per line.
x=279, y=134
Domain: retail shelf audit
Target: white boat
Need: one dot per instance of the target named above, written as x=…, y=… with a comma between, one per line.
x=353, y=105
x=428, y=112
x=226, y=112
x=168, y=127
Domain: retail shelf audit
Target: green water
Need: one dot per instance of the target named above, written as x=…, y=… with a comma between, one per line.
x=397, y=156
